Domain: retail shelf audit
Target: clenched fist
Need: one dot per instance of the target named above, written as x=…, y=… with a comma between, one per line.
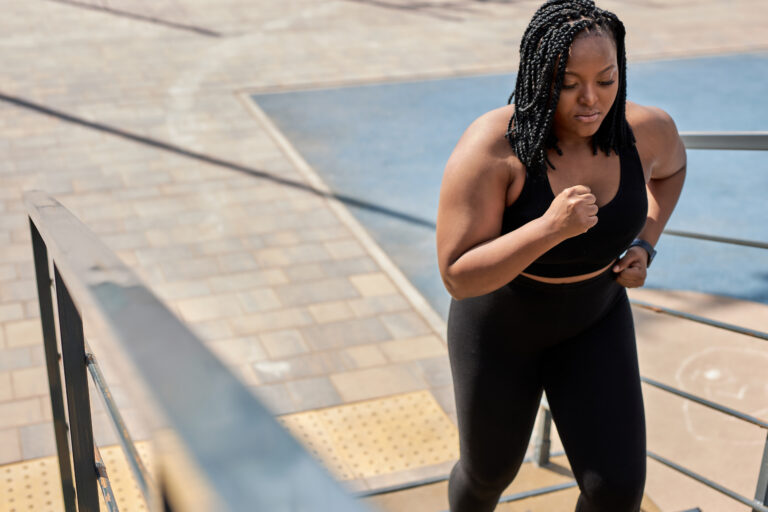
x=573, y=211
x=631, y=269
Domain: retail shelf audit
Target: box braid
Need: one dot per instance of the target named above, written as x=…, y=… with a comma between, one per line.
x=544, y=53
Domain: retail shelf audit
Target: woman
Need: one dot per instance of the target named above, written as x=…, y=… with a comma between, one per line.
x=548, y=210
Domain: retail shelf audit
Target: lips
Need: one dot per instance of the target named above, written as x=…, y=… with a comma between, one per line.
x=588, y=117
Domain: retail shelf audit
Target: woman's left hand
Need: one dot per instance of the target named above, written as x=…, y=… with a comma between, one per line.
x=631, y=269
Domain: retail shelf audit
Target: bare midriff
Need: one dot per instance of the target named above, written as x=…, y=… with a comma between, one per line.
x=568, y=279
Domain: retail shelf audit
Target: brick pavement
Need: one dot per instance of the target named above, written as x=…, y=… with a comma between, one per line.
x=131, y=114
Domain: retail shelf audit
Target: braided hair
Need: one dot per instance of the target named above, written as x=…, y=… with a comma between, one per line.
x=544, y=53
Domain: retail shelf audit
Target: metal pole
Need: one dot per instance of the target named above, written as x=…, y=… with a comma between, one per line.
x=542, y=442
x=50, y=345
x=78, y=400
x=761, y=494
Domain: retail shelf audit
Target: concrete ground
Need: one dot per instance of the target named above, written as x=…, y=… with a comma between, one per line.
x=131, y=114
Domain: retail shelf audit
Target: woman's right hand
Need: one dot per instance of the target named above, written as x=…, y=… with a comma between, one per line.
x=573, y=211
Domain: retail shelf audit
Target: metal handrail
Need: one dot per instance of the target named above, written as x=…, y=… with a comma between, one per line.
x=706, y=403
x=139, y=470
x=219, y=448
x=426, y=481
x=756, y=505
x=749, y=141
x=700, y=319
x=715, y=238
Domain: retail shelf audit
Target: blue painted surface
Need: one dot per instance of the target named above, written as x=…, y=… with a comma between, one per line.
x=386, y=145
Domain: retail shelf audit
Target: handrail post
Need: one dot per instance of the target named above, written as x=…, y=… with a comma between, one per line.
x=761, y=494
x=542, y=441
x=43, y=277
x=78, y=400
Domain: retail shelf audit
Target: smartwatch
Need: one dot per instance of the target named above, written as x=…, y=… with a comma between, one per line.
x=639, y=242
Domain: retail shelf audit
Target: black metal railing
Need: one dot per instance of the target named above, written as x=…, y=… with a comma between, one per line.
x=218, y=447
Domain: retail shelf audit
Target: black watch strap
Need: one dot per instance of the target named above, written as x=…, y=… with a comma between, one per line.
x=639, y=242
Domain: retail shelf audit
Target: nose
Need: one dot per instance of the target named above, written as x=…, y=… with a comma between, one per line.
x=588, y=96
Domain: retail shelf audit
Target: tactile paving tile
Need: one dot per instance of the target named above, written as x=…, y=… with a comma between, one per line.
x=356, y=440
x=35, y=485
x=378, y=436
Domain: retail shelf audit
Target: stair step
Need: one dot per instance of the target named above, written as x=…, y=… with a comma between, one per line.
x=434, y=497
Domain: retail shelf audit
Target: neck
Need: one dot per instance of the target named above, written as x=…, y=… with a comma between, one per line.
x=574, y=143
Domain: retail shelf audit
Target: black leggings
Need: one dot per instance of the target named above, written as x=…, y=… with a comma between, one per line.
x=574, y=341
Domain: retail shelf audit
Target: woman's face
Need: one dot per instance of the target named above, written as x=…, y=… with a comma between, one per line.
x=589, y=89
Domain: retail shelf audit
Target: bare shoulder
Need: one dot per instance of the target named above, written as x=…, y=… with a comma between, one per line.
x=658, y=140
x=649, y=119
x=484, y=149
x=478, y=178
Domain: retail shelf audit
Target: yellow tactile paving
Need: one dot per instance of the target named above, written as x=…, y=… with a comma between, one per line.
x=378, y=436
x=34, y=485
x=352, y=441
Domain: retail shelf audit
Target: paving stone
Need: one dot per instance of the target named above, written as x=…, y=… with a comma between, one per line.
x=222, y=246
x=32, y=309
x=247, y=280
x=363, y=356
x=162, y=254
x=30, y=382
x=7, y=271
x=11, y=311
x=276, y=398
x=302, y=366
x=18, y=290
x=209, y=308
x=298, y=294
x=348, y=267
x=313, y=393
x=14, y=358
x=23, y=333
x=409, y=349
x=191, y=268
x=345, y=249
x=182, y=289
x=238, y=351
x=6, y=388
x=375, y=382
x=37, y=440
x=281, y=344
x=212, y=330
x=405, y=324
x=291, y=255
x=10, y=446
x=281, y=238
x=237, y=262
x=247, y=375
x=325, y=312
x=262, y=299
x=20, y=412
x=373, y=284
x=306, y=272
x=270, y=320
x=435, y=371
x=359, y=331
x=323, y=233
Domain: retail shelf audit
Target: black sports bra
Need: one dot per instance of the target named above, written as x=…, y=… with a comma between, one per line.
x=619, y=222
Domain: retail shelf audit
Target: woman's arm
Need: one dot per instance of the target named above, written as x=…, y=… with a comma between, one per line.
x=667, y=174
x=473, y=258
